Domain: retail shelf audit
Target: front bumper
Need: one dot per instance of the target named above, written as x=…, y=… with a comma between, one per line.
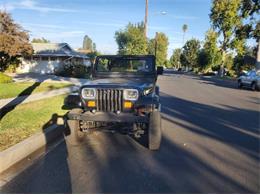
x=108, y=117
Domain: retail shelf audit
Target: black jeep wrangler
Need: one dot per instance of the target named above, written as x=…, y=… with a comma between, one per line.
x=122, y=96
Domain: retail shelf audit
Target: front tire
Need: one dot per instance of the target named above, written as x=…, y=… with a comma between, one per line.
x=239, y=84
x=76, y=136
x=154, y=131
x=253, y=86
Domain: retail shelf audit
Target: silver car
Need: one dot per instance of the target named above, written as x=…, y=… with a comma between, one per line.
x=250, y=80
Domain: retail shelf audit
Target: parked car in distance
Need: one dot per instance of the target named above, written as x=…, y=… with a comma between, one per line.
x=250, y=80
x=212, y=73
x=160, y=69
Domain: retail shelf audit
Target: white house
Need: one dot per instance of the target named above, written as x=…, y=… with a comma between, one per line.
x=50, y=57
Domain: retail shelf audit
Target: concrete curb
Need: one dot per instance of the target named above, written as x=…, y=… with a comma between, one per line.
x=220, y=79
x=20, y=151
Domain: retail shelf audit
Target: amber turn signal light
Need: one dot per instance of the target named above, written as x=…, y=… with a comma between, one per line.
x=128, y=104
x=91, y=104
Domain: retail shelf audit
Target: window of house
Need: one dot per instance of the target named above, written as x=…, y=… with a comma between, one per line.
x=45, y=58
x=36, y=58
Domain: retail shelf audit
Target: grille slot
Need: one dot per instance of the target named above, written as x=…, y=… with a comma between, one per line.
x=109, y=100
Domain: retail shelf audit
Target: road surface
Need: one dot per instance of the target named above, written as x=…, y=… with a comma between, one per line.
x=210, y=144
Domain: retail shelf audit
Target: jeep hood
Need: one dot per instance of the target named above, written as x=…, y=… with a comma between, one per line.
x=140, y=83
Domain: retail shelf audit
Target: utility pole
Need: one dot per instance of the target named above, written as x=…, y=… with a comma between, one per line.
x=145, y=18
x=258, y=55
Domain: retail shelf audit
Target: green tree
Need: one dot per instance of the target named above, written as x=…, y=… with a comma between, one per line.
x=151, y=46
x=92, y=55
x=225, y=18
x=210, y=52
x=132, y=39
x=184, y=29
x=175, y=59
x=94, y=47
x=14, y=41
x=190, y=53
x=203, y=60
x=245, y=62
x=250, y=27
x=40, y=40
x=88, y=44
x=159, y=47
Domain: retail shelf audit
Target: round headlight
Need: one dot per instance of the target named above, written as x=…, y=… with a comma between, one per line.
x=131, y=94
x=88, y=93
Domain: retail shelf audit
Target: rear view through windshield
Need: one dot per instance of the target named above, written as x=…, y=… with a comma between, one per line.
x=106, y=64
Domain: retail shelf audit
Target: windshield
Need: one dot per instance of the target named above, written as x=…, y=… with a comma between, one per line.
x=119, y=64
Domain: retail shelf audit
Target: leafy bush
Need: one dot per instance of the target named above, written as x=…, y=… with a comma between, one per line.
x=11, y=68
x=75, y=71
x=215, y=68
x=209, y=74
x=4, y=78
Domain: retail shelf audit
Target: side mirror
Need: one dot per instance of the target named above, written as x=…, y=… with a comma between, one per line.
x=159, y=70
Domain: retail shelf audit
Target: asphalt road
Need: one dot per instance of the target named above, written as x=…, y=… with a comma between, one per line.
x=210, y=145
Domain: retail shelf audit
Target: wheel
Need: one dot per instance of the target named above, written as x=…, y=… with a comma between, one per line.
x=253, y=86
x=154, y=131
x=157, y=90
x=76, y=136
x=239, y=84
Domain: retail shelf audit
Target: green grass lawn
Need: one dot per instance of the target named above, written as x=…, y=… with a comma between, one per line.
x=5, y=78
x=27, y=119
x=8, y=90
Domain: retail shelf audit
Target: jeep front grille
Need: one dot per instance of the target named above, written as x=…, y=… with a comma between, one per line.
x=109, y=100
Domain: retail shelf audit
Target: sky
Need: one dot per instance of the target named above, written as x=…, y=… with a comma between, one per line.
x=70, y=20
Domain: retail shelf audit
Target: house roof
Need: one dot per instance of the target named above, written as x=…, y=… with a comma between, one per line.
x=55, y=49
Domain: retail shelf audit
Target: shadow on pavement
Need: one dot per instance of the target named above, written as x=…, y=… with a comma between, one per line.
x=210, y=80
x=18, y=100
x=114, y=163
x=234, y=126
x=232, y=84
x=49, y=174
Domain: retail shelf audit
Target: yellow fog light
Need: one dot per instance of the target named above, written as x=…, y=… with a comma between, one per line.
x=128, y=104
x=91, y=104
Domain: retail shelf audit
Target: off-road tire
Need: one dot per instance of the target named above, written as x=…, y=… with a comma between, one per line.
x=154, y=131
x=239, y=84
x=253, y=86
x=76, y=136
x=157, y=90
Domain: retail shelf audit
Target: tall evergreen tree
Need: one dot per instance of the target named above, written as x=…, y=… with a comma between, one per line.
x=211, y=51
x=175, y=59
x=88, y=43
x=190, y=53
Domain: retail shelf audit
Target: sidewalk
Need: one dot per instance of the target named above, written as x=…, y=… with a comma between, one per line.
x=35, y=77
x=34, y=97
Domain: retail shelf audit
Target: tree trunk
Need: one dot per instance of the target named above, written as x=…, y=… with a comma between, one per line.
x=221, y=69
